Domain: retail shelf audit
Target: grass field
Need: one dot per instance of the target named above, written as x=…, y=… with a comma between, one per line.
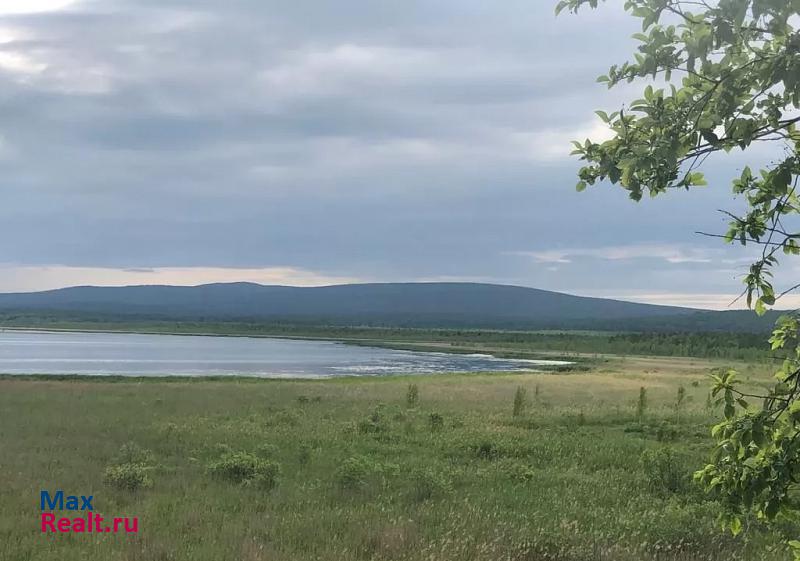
x=582, y=473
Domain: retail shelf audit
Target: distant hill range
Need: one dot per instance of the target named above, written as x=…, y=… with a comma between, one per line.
x=456, y=305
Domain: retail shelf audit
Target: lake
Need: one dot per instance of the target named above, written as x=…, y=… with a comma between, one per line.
x=128, y=354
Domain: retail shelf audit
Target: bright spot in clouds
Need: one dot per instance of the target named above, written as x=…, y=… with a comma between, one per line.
x=11, y=7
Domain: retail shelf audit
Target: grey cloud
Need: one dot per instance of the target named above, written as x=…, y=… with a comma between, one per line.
x=382, y=140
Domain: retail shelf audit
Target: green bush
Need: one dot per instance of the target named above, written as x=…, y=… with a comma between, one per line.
x=127, y=477
x=664, y=472
x=436, y=421
x=429, y=484
x=304, y=454
x=289, y=418
x=520, y=401
x=132, y=453
x=353, y=473
x=517, y=472
x=374, y=423
x=243, y=467
x=666, y=432
x=486, y=450
x=412, y=395
x=641, y=403
x=356, y=472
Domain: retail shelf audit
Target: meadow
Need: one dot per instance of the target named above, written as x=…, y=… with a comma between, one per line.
x=578, y=466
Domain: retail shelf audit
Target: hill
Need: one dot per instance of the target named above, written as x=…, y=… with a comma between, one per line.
x=390, y=304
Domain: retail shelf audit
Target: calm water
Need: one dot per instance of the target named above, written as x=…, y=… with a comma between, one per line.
x=35, y=352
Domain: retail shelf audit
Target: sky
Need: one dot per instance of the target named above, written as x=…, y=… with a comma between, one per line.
x=311, y=143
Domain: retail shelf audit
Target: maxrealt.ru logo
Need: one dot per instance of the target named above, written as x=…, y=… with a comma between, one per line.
x=88, y=522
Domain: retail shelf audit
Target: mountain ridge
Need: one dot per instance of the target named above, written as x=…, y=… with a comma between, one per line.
x=431, y=304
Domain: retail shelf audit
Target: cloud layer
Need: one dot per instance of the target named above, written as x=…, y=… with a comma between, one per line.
x=332, y=141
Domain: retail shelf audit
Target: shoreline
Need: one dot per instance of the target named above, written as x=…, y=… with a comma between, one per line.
x=576, y=359
x=537, y=366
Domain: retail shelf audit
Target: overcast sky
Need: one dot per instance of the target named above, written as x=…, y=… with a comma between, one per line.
x=314, y=142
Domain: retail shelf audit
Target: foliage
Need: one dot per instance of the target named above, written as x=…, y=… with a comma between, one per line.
x=356, y=472
x=739, y=68
x=130, y=468
x=127, y=476
x=520, y=401
x=549, y=487
x=486, y=450
x=680, y=398
x=641, y=403
x=246, y=468
x=132, y=453
x=304, y=454
x=429, y=483
x=436, y=421
x=664, y=472
x=412, y=395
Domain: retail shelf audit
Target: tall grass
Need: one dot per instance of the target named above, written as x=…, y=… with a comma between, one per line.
x=244, y=470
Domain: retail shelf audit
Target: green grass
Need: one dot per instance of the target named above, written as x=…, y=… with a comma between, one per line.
x=574, y=477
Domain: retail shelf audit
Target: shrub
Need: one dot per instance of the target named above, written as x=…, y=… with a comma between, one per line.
x=666, y=432
x=520, y=401
x=132, y=453
x=517, y=472
x=243, y=467
x=634, y=428
x=412, y=395
x=288, y=417
x=429, y=484
x=663, y=471
x=641, y=403
x=373, y=424
x=680, y=398
x=127, y=476
x=354, y=473
x=436, y=421
x=304, y=455
x=486, y=450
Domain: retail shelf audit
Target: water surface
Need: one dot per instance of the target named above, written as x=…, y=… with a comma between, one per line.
x=128, y=354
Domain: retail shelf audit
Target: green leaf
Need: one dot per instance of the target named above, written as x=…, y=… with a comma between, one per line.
x=736, y=525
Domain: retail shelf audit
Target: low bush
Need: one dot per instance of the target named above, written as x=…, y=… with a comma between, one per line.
x=517, y=472
x=354, y=473
x=412, y=395
x=357, y=472
x=127, y=476
x=486, y=450
x=664, y=471
x=429, y=484
x=246, y=468
x=304, y=454
x=132, y=453
x=520, y=401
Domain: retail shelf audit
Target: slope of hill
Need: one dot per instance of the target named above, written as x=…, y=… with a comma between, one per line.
x=390, y=304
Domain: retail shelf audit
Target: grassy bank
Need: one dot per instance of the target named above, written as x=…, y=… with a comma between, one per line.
x=583, y=472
